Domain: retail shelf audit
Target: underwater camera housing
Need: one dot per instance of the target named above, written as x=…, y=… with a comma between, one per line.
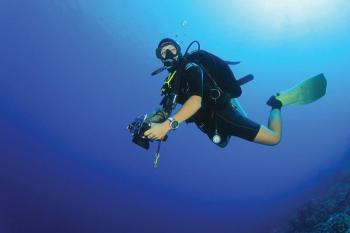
x=137, y=129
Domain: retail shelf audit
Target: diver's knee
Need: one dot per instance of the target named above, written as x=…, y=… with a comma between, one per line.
x=275, y=140
x=267, y=137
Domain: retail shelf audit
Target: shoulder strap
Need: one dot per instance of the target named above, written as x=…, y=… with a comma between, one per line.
x=180, y=71
x=211, y=78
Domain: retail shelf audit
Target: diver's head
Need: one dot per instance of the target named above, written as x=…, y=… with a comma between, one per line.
x=169, y=52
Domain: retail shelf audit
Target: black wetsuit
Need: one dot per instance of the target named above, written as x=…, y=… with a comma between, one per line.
x=229, y=121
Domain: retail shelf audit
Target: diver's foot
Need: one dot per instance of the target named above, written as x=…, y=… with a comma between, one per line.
x=274, y=103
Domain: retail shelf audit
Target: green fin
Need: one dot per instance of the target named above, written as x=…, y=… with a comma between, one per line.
x=305, y=92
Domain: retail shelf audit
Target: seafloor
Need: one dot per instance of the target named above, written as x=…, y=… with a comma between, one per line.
x=329, y=210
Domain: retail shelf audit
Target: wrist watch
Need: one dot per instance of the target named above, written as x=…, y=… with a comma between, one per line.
x=174, y=124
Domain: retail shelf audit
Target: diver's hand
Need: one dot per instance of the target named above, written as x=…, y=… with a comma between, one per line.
x=158, y=131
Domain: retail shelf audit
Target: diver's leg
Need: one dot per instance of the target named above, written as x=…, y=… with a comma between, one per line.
x=235, y=103
x=272, y=134
x=234, y=124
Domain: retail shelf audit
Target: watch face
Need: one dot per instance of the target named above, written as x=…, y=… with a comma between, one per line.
x=174, y=124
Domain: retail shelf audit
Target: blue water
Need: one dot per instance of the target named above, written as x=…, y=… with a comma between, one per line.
x=74, y=73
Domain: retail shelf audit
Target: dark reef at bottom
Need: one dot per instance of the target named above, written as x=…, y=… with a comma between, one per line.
x=329, y=210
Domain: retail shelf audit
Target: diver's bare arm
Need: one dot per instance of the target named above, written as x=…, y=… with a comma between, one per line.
x=191, y=106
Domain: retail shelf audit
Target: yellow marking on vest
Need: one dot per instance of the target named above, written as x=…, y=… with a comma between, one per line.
x=170, y=78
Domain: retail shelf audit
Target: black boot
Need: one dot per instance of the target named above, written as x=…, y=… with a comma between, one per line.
x=274, y=103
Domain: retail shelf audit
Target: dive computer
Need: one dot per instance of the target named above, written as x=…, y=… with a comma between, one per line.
x=174, y=124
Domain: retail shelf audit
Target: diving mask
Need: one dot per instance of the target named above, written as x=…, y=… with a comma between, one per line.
x=169, y=51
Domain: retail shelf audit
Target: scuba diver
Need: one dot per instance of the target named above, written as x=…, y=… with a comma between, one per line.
x=207, y=90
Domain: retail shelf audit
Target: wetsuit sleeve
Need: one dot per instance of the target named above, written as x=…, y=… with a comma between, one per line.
x=194, y=77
